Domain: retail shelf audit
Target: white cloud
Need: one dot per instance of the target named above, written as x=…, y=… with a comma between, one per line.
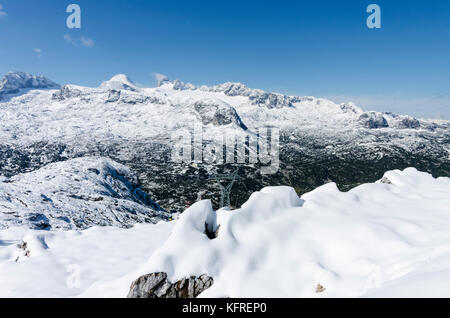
x=2, y=13
x=38, y=52
x=87, y=42
x=68, y=39
x=160, y=78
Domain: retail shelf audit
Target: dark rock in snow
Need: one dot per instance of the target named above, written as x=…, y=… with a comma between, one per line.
x=66, y=92
x=217, y=113
x=373, y=120
x=156, y=285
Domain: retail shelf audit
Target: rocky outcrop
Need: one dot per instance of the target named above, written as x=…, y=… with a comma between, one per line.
x=271, y=100
x=256, y=96
x=385, y=180
x=156, y=285
x=372, y=120
x=217, y=113
x=66, y=92
x=406, y=122
x=13, y=82
x=113, y=96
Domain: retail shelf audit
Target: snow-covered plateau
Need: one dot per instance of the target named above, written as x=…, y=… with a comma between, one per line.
x=388, y=238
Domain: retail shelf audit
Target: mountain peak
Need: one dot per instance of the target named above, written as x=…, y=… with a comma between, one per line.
x=119, y=82
x=12, y=82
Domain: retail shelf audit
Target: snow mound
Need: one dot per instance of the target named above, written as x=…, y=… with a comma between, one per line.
x=76, y=194
x=278, y=245
x=13, y=82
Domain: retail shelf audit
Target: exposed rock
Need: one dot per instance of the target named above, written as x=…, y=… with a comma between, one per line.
x=385, y=180
x=134, y=99
x=229, y=89
x=320, y=289
x=113, y=96
x=271, y=100
x=408, y=122
x=66, y=92
x=211, y=233
x=373, y=120
x=156, y=285
x=218, y=113
x=350, y=108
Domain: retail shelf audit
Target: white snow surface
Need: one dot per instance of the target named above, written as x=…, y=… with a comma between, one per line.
x=381, y=239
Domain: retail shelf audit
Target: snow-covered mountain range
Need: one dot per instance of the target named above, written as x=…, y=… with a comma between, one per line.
x=320, y=140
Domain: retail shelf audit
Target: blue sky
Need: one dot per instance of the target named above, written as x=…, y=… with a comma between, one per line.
x=321, y=48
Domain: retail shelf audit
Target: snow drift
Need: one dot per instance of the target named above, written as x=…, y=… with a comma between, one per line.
x=278, y=245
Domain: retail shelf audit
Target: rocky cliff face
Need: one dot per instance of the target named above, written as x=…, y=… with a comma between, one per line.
x=218, y=113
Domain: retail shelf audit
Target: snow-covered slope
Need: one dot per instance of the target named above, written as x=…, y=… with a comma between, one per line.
x=76, y=194
x=388, y=238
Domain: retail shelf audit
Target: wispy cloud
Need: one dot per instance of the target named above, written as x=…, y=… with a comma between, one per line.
x=87, y=42
x=38, y=52
x=84, y=41
x=69, y=39
x=2, y=12
x=160, y=78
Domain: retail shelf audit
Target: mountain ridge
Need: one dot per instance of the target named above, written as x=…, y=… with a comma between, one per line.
x=13, y=82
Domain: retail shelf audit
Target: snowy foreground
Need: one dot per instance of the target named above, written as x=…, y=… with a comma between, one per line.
x=389, y=238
